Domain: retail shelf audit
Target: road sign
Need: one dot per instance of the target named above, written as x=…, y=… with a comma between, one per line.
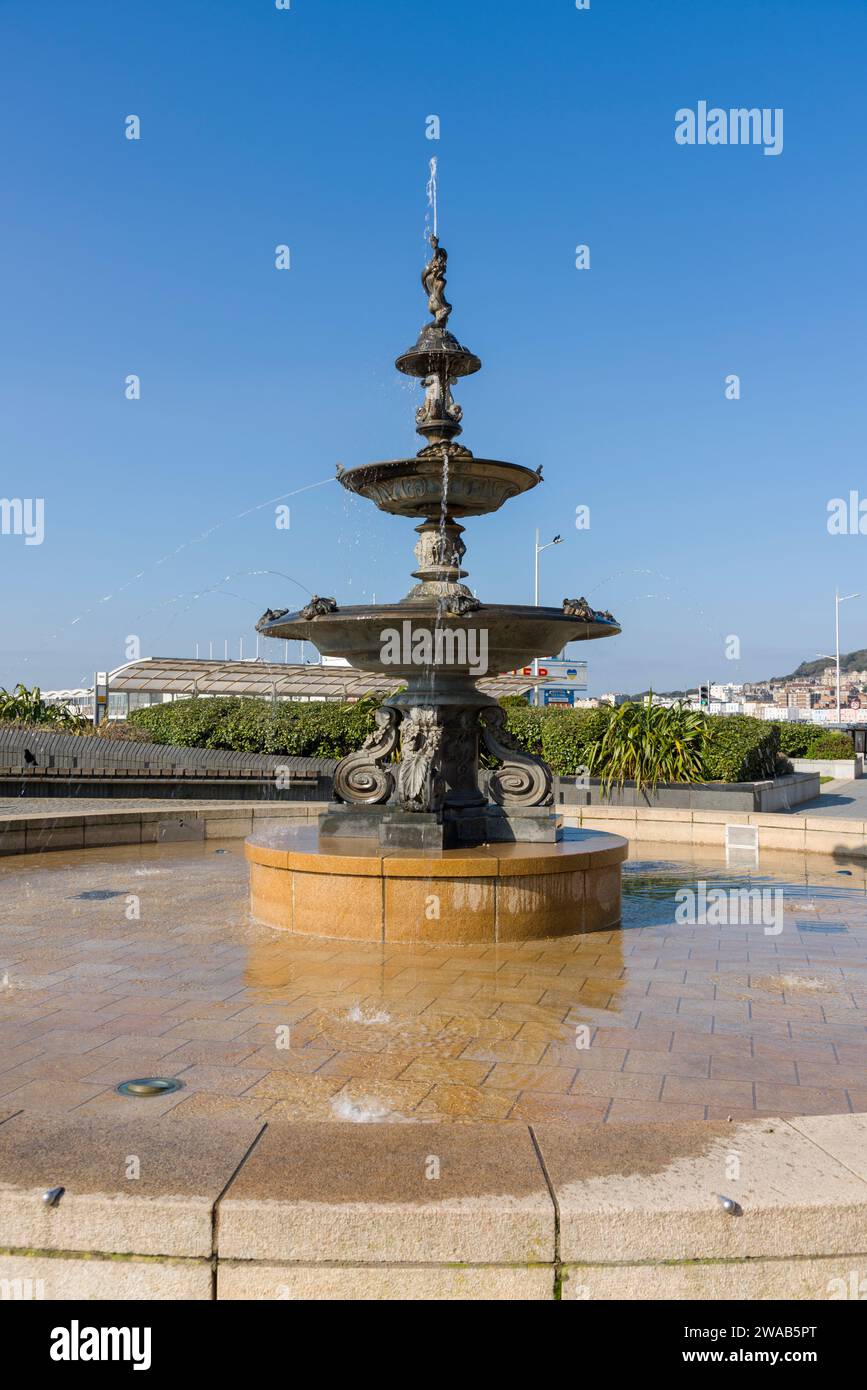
x=555, y=695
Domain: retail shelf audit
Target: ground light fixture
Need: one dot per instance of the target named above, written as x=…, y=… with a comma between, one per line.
x=141, y=1086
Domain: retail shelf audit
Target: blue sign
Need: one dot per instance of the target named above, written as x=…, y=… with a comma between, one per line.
x=554, y=696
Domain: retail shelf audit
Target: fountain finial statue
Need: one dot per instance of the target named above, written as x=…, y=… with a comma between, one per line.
x=433, y=278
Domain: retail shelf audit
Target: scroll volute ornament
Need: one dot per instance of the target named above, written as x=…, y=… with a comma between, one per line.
x=364, y=778
x=523, y=779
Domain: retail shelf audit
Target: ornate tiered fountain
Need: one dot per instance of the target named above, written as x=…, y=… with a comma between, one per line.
x=412, y=806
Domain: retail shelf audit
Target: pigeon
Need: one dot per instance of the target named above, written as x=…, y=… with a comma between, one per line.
x=29, y=758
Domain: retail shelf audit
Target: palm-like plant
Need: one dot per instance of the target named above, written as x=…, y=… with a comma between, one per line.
x=28, y=707
x=648, y=744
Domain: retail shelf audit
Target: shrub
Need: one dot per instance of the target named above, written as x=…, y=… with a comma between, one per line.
x=795, y=739
x=561, y=736
x=646, y=744
x=525, y=722
x=832, y=745
x=318, y=729
x=23, y=706
x=801, y=741
x=186, y=723
x=740, y=749
x=119, y=731
x=568, y=736
x=633, y=742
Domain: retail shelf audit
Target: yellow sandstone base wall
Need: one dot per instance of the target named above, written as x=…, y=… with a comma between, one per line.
x=460, y=896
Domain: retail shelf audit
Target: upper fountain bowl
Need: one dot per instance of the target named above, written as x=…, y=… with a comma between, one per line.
x=437, y=350
x=414, y=487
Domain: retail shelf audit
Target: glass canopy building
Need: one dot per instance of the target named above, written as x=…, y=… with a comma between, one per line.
x=154, y=680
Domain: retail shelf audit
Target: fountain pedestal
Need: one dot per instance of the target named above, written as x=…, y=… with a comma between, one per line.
x=353, y=890
x=449, y=828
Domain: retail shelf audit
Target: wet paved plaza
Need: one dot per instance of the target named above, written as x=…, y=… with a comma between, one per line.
x=137, y=961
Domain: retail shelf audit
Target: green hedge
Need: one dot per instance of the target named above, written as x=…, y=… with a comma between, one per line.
x=561, y=736
x=567, y=736
x=740, y=749
x=737, y=749
x=525, y=722
x=802, y=740
x=319, y=729
x=832, y=746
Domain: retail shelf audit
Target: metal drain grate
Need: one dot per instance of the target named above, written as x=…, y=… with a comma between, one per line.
x=826, y=928
x=97, y=895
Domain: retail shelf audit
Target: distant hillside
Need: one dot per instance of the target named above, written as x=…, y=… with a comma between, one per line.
x=663, y=694
x=851, y=661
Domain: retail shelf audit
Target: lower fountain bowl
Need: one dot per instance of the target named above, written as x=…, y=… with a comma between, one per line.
x=356, y=890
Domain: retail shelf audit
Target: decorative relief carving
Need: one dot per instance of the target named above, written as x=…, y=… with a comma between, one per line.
x=420, y=783
x=459, y=605
x=317, y=608
x=440, y=549
x=270, y=616
x=580, y=608
x=438, y=406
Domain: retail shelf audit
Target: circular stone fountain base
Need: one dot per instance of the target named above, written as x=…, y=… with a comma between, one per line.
x=356, y=890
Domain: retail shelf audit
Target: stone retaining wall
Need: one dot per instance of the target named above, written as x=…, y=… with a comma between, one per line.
x=40, y=762
x=777, y=794
x=167, y=823
x=840, y=769
x=28, y=832
x=800, y=834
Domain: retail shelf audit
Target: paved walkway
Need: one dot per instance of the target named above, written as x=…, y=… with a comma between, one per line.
x=660, y=1021
x=845, y=800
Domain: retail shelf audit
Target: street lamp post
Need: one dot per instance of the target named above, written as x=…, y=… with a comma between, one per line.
x=537, y=551
x=838, y=599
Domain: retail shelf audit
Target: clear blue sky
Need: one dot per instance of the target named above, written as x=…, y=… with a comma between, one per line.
x=307, y=127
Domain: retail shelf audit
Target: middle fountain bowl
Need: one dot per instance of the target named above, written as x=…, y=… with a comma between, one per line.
x=514, y=635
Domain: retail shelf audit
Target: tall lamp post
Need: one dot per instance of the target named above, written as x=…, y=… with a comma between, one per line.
x=838, y=599
x=537, y=551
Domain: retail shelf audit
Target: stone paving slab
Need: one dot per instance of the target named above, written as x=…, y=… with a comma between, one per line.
x=844, y=1137
x=165, y=1210
x=716, y=1280
x=58, y=1278
x=424, y=1194
x=626, y=1194
x=490, y=1283
x=846, y=799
